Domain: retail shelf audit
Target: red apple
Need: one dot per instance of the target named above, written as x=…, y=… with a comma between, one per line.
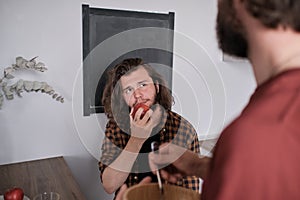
x=14, y=194
x=140, y=105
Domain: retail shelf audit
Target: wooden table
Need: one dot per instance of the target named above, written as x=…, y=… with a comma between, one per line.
x=38, y=176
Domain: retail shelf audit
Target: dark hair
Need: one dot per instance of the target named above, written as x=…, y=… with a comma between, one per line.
x=112, y=94
x=273, y=13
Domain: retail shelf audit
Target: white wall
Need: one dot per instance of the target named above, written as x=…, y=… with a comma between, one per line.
x=207, y=91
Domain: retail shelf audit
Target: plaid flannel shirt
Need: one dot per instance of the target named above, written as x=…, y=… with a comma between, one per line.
x=176, y=130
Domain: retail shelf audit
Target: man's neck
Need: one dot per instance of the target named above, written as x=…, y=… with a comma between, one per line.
x=273, y=52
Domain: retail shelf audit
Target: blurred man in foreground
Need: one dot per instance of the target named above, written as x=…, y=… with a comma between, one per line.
x=257, y=156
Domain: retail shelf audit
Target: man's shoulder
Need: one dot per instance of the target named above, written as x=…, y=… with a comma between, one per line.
x=175, y=116
x=268, y=119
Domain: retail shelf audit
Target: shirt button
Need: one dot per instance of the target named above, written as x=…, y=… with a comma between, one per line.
x=135, y=178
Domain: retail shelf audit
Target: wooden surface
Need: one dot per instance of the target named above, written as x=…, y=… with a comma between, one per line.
x=40, y=176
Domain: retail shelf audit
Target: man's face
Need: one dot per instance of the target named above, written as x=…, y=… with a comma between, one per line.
x=138, y=87
x=230, y=30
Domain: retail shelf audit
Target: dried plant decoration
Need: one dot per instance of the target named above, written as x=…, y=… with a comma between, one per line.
x=24, y=85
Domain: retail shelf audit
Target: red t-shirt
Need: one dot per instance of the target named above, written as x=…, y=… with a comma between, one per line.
x=257, y=157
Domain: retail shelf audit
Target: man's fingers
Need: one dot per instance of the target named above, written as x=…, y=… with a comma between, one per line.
x=165, y=155
x=172, y=178
x=164, y=148
x=121, y=192
x=164, y=174
x=145, y=180
x=168, y=154
x=152, y=162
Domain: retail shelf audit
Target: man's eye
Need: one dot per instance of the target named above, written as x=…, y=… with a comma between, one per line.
x=142, y=85
x=128, y=90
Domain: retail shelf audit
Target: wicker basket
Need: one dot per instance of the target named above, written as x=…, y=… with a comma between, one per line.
x=151, y=192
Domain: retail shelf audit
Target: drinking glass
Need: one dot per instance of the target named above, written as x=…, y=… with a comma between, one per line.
x=47, y=196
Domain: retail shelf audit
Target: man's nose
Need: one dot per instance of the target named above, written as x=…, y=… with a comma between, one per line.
x=137, y=93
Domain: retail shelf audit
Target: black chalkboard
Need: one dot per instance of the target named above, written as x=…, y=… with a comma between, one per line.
x=110, y=36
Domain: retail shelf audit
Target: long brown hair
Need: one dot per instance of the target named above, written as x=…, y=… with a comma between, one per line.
x=112, y=94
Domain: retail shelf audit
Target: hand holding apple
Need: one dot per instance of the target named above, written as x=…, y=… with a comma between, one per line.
x=14, y=194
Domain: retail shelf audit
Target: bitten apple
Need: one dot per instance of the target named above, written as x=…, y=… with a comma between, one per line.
x=14, y=194
x=140, y=105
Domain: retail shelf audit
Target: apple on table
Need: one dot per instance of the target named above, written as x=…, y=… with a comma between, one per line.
x=14, y=194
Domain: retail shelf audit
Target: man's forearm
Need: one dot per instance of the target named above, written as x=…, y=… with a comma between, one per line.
x=117, y=172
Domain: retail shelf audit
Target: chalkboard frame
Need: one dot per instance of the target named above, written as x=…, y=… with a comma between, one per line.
x=92, y=95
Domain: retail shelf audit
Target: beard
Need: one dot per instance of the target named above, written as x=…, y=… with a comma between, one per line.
x=230, y=31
